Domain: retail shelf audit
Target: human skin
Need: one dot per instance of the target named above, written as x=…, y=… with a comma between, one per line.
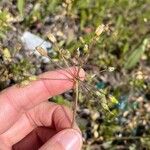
x=29, y=122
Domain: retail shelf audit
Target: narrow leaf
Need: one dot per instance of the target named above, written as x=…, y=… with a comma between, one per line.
x=20, y=6
x=135, y=56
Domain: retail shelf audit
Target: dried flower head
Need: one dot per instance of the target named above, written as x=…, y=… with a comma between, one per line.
x=100, y=29
x=65, y=53
x=51, y=37
x=42, y=51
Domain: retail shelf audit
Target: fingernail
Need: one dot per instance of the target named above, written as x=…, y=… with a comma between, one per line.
x=70, y=140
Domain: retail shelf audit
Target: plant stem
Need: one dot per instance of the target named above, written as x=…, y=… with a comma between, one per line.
x=76, y=96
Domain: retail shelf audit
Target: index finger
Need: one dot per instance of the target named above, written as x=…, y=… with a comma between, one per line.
x=14, y=100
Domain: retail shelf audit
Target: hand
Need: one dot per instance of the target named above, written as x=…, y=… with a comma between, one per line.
x=29, y=122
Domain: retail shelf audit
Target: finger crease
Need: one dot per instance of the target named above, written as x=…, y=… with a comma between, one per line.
x=31, y=120
x=46, y=88
x=55, y=111
x=12, y=102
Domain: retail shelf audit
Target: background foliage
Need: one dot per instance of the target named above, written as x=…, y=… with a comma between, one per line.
x=125, y=46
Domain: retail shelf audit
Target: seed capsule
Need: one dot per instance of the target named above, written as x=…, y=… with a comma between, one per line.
x=100, y=29
x=42, y=51
x=51, y=37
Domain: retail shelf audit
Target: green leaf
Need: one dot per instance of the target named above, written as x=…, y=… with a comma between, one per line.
x=6, y=54
x=61, y=101
x=135, y=56
x=20, y=6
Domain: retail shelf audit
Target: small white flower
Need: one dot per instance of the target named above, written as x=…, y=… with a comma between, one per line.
x=111, y=69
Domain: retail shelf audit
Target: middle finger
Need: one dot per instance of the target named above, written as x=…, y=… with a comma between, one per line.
x=45, y=114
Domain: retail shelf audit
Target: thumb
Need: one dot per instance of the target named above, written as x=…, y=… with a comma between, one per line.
x=68, y=139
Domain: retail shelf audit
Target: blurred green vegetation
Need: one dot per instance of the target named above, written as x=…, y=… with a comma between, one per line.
x=4, y=23
x=125, y=46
